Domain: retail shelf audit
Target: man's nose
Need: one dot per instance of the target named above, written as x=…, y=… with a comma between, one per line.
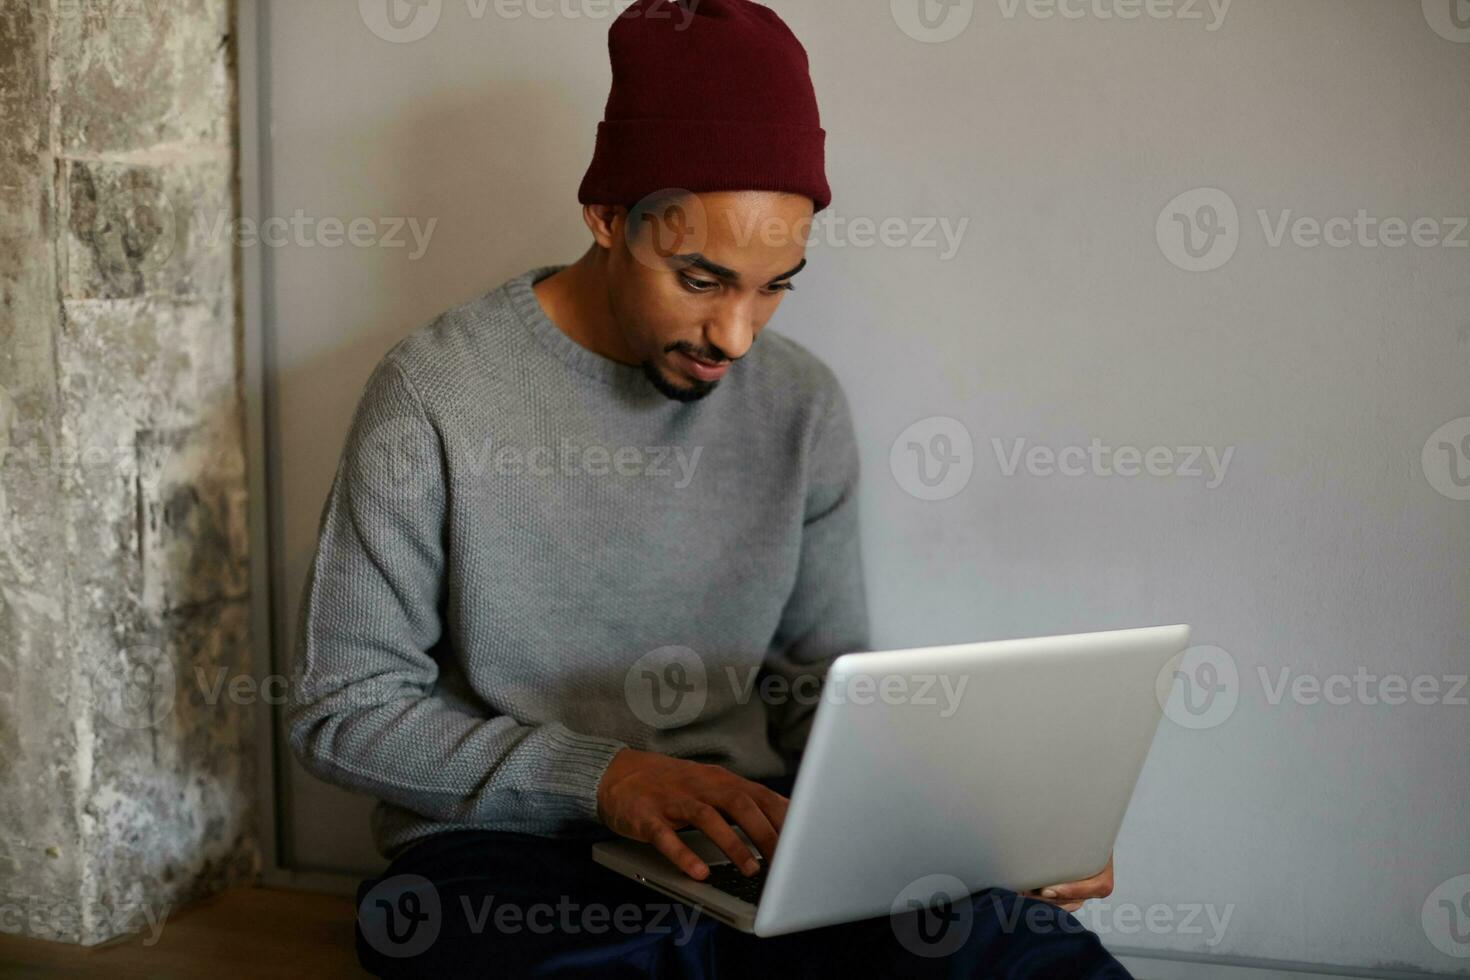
x=732, y=330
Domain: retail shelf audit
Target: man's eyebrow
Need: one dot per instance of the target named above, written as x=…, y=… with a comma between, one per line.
x=729, y=275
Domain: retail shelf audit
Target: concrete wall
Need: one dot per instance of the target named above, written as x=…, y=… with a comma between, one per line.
x=125, y=754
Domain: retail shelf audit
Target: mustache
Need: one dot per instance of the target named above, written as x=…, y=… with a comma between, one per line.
x=712, y=355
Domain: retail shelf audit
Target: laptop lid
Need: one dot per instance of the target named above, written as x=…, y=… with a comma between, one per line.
x=1007, y=763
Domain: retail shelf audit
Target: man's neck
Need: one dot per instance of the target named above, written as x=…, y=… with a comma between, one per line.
x=575, y=299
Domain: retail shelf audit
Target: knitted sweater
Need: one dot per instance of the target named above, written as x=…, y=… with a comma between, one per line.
x=530, y=558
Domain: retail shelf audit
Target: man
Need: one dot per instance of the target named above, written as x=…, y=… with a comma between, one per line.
x=572, y=518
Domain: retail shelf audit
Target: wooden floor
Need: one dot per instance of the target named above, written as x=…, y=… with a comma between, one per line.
x=265, y=932
x=245, y=932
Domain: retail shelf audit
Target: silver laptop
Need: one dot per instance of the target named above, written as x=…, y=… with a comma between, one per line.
x=1004, y=764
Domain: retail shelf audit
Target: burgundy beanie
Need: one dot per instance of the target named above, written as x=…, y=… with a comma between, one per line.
x=707, y=95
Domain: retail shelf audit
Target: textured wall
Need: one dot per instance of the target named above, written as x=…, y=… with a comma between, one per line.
x=125, y=758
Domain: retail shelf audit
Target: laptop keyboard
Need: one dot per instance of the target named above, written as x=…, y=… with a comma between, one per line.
x=728, y=879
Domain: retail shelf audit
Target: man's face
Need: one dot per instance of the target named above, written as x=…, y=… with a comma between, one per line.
x=693, y=280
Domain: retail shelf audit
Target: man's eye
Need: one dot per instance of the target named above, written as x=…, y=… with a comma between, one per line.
x=709, y=285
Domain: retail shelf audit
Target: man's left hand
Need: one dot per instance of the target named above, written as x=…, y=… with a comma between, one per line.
x=1071, y=895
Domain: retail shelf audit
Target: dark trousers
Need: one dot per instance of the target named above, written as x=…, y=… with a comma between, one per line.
x=487, y=904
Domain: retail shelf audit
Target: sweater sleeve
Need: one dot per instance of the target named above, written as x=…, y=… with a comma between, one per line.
x=826, y=614
x=367, y=710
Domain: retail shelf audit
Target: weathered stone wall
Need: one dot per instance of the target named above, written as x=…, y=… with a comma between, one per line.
x=126, y=771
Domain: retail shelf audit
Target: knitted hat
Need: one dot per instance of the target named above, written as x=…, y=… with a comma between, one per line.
x=707, y=95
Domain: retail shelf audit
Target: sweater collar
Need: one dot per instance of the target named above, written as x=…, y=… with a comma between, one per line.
x=528, y=309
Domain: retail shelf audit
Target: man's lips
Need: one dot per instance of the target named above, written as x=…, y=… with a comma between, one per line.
x=701, y=370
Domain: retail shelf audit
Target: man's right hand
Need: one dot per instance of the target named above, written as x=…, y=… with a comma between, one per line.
x=649, y=797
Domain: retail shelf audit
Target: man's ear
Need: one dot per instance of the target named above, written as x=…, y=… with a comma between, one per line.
x=605, y=221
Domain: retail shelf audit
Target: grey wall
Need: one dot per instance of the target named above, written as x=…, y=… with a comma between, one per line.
x=126, y=785
x=1334, y=541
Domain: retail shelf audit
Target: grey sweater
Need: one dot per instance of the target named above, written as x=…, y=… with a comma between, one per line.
x=530, y=558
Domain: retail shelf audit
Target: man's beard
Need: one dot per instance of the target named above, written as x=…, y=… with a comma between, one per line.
x=696, y=390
